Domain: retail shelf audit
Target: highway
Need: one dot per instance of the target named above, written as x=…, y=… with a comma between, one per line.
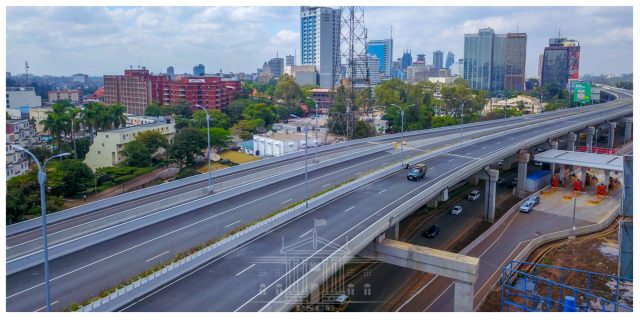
x=238, y=275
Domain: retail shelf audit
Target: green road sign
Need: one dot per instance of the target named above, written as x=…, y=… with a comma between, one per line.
x=582, y=92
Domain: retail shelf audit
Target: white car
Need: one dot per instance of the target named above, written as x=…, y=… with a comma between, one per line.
x=457, y=210
x=538, y=164
x=526, y=207
x=474, y=195
x=500, y=181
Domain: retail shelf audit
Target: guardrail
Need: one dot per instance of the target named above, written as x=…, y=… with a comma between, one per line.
x=362, y=239
x=128, y=225
x=112, y=201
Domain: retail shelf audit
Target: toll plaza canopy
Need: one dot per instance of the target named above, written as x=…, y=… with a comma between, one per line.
x=583, y=159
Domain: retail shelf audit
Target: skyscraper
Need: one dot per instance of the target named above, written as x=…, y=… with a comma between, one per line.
x=495, y=62
x=290, y=60
x=276, y=65
x=383, y=50
x=198, y=70
x=561, y=61
x=320, y=41
x=438, y=57
x=450, y=60
x=406, y=59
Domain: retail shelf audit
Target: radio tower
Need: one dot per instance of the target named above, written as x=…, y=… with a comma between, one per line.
x=353, y=57
x=26, y=70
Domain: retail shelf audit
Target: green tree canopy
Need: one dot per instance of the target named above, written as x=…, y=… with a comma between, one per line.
x=288, y=90
x=188, y=144
x=77, y=176
x=260, y=111
x=153, y=140
x=217, y=119
x=137, y=153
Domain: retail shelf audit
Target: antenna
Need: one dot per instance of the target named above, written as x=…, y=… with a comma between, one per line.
x=391, y=32
x=26, y=70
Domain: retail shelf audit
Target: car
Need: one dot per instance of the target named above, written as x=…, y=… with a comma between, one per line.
x=501, y=162
x=500, y=181
x=534, y=200
x=474, y=195
x=457, y=210
x=432, y=232
x=514, y=182
x=341, y=303
x=526, y=207
x=538, y=164
x=417, y=172
x=540, y=149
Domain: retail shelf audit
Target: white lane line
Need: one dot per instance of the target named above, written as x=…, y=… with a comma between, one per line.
x=229, y=225
x=450, y=160
x=249, y=267
x=306, y=233
x=381, y=191
x=350, y=208
x=461, y=156
x=483, y=147
x=157, y=256
x=283, y=202
x=417, y=293
x=357, y=173
x=326, y=185
x=438, y=298
x=45, y=306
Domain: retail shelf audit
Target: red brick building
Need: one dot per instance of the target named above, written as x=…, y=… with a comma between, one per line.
x=209, y=92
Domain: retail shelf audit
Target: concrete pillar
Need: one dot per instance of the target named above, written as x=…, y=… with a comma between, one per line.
x=563, y=174
x=396, y=231
x=571, y=141
x=432, y=204
x=490, y=192
x=583, y=175
x=445, y=194
x=507, y=163
x=612, y=131
x=463, y=297
x=628, y=129
x=523, y=160
x=590, y=131
x=627, y=202
x=554, y=146
x=607, y=173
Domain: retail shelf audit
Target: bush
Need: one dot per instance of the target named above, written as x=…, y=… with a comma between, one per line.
x=186, y=172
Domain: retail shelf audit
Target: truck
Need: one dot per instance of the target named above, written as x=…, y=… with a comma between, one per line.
x=417, y=172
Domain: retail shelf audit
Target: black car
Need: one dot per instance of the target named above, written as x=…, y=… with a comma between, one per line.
x=432, y=232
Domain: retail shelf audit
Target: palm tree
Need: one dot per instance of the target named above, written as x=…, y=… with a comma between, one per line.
x=90, y=117
x=71, y=114
x=57, y=121
x=117, y=115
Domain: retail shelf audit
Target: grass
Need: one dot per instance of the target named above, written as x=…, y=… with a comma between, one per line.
x=237, y=157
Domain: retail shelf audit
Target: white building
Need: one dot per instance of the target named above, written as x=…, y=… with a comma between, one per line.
x=39, y=114
x=443, y=80
x=14, y=114
x=19, y=132
x=320, y=40
x=383, y=50
x=22, y=98
x=108, y=146
x=304, y=74
x=279, y=144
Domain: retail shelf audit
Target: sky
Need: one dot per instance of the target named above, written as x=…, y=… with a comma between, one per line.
x=106, y=40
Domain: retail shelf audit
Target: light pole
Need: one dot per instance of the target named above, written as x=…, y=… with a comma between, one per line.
x=402, y=128
x=317, y=128
x=42, y=179
x=573, y=219
x=306, y=146
x=208, y=144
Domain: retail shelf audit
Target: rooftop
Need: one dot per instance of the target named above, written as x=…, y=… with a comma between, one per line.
x=583, y=159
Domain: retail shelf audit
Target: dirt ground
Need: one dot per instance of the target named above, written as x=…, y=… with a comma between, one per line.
x=594, y=253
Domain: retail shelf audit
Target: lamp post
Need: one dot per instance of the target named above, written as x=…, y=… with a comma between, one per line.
x=306, y=145
x=402, y=128
x=42, y=179
x=317, y=128
x=573, y=219
x=208, y=145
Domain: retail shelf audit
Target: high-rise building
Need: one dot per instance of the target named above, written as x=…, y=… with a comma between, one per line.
x=494, y=62
x=561, y=61
x=438, y=57
x=209, y=92
x=421, y=58
x=374, y=73
x=450, y=60
x=276, y=65
x=198, y=70
x=135, y=90
x=383, y=50
x=320, y=41
x=290, y=61
x=171, y=73
x=407, y=60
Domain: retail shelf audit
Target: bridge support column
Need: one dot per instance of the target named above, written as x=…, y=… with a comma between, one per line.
x=490, y=194
x=463, y=269
x=628, y=129
x=571, y=141
x=554, y=146
x=612, y=133
x=563, y=173
x=590, y=131
x=583, y=174
x=507, y=163
x=523, y=160
x=625, y=232
x=607, y=174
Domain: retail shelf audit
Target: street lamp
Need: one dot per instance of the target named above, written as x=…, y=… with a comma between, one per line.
x=402, y=128
x=317, y=127
x=306, y=147
x=42, y=179
x=208, y=143
x=461, y=116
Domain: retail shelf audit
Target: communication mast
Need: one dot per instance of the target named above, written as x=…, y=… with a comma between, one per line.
x=26, y=70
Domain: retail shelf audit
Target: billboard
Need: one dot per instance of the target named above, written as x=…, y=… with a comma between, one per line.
x=574, y=62
x=582, y=92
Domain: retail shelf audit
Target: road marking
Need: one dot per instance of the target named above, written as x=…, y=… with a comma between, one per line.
x=350, y=208
x=483, y=148
x=357, y=173
x=283, y=202
x=417, y=293
x=157, y=256
x=461, y=156
x=306, y=233
x=450, y=160
x=229, y=225
x=249, y=267
x=381, y=191
x=437, y=298
x=326, y=185
x=46, y=306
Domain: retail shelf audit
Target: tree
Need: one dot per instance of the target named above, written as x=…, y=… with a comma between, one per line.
x=117, y=116
x=153, y=110
x=153, y=140
x=217, y=119
x=73, y=125
x=41, y=153
x=363, y=129
x=220, y=138
x=260, y=111
x=82, y=146
x=57, y=121
x=246, y=128
x=90, y=116
x=444, y=121
x=287, y=90
x=77, y=176
x=137, y=153
x=188, y=144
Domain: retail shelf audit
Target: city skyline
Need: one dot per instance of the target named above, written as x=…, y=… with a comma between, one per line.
x=104, y=40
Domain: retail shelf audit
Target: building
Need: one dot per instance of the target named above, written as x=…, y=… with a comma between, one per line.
x=540, y=60
x=407, y=60
x=66, y=94
x=438, y=59
x=38, y=114
x=304, y=74
x=14, y=114
x=361, y=63
x=320, y=41
x=107, y=149
x=418, y=70
x=22, y=98
x=19, y=132
x=198, y=70
x=443, y=80
x=290, y=61
x=171, y=73
x=450, y=60
x=561, y=61
x=135, y=90
x=323, y=98
x=209, y=92
x=383, y=50
x=276, y=65
x=490, y=57
x=80, y=78
x=279, y=144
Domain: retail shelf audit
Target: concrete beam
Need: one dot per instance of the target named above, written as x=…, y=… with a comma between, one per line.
x=554, y=146
x=571, y=141
x=628, y=129
x=589, y=131
x=612, y=131
x=523, y=160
